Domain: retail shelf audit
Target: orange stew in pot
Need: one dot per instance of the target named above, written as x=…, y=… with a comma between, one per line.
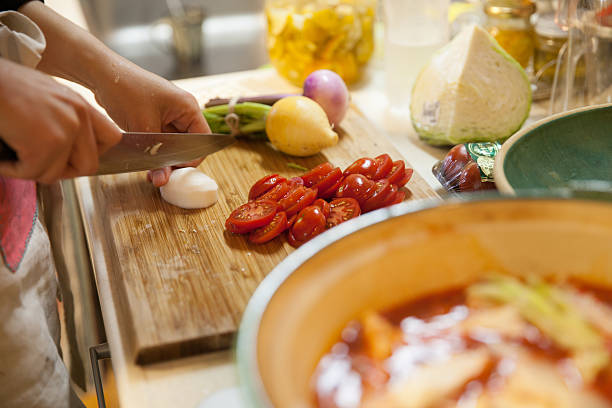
x=500, y=342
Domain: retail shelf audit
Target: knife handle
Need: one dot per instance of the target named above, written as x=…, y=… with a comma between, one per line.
x=6, y=152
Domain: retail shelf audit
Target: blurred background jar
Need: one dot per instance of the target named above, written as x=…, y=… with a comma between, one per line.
x=306, y=35
x=583, y=74
x=509, y=22
x=550, y=40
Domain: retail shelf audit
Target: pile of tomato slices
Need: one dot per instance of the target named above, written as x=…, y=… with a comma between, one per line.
x=322, y=198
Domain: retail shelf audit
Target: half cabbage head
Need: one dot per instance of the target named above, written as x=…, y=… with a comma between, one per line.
x=471, y=91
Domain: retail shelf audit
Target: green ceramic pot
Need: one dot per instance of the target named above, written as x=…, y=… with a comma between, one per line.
x=571, y=150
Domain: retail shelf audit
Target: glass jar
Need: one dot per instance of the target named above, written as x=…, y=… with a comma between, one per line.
x=549, y=39
x=509, y=22
x=304, y=36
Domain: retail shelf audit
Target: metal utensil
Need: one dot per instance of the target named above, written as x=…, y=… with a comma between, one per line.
x=138, y=151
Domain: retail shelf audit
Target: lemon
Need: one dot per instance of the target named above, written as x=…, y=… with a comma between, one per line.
x=298, y=126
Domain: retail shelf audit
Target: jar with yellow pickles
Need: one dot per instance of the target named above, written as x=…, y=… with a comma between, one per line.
x=304, y=36
x=509, y=22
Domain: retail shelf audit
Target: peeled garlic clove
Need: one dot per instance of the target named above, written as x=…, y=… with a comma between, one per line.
x=189, y=188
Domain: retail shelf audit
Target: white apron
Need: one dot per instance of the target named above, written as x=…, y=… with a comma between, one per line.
x=32, y=373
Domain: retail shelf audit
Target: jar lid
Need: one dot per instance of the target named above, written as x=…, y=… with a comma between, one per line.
x=545, y=26
x=510, y=8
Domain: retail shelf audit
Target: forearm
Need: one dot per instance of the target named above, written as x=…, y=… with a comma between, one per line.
x=73, y=53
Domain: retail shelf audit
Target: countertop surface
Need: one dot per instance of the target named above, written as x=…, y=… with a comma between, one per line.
x=187, y=382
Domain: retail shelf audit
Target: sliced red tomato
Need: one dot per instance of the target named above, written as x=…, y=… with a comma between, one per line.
x=329, y=180
x=390, y=196
x=309, y=223
x=356, y=186
x=291, y=239
x=310, y=194
x=383, y=188
x=323, y=205
x=277, y=192
x=364, y=166
x=331, y=192
x=384, y=164
x=317, y=174
x=264, y=184
x=292, y=197
x=270, y=231
x=250, y=216
x=407, y=175
x=397, y=173
x=399, y=197
x=342, y=209
x=297, y=180
x=291, y=220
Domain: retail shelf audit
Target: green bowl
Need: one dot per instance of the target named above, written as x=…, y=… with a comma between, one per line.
x=569, y=150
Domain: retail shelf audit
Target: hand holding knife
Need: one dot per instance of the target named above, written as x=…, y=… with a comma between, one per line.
x=139, y=151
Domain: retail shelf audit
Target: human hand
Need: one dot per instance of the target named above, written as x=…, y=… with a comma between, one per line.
x=54, y=131
x=139, y=101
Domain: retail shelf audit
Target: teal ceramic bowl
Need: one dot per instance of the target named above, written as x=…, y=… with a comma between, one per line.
x=569, y=150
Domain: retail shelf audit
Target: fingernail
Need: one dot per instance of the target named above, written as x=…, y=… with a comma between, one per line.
x=158, y=177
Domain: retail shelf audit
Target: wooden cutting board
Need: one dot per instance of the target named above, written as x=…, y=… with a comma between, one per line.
x=179, y=281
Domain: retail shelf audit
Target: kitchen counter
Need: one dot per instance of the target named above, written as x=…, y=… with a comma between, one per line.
x=186, y=382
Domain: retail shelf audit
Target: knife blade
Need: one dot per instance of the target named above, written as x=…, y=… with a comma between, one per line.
x=138, y=151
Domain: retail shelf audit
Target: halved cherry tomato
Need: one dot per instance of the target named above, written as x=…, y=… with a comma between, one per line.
x=407, y=175
x=397, y=173
x=291, y=197
x=390, y=196
x=329, y=180
x=399, y=197
x=309, y=223
x=342, y=209
x=310, y=194
x=331, y=192
x=277, y=192
x=297, y=180
x=317, y=174
x=291, y=220
x=383, y=188
x=356, y=186
x=364, y=166
x=270, y=231
x=264, y=184
x=251, y=216
x=291, y=239
x=294, y=184
x=323, y=205
x=384, y=165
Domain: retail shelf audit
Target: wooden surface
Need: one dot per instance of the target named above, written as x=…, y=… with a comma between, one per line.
x=179, y=281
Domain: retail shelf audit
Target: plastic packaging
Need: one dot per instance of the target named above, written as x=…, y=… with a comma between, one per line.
x=468, y=167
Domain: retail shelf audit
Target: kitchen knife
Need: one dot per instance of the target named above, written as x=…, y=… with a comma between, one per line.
x=145, y=151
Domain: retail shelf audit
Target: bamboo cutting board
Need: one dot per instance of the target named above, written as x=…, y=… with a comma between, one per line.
x=179, y=281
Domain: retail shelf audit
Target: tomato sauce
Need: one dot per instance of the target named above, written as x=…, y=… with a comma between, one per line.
x=424, y=331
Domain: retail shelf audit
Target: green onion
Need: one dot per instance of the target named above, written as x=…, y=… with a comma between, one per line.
x=252, y=119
